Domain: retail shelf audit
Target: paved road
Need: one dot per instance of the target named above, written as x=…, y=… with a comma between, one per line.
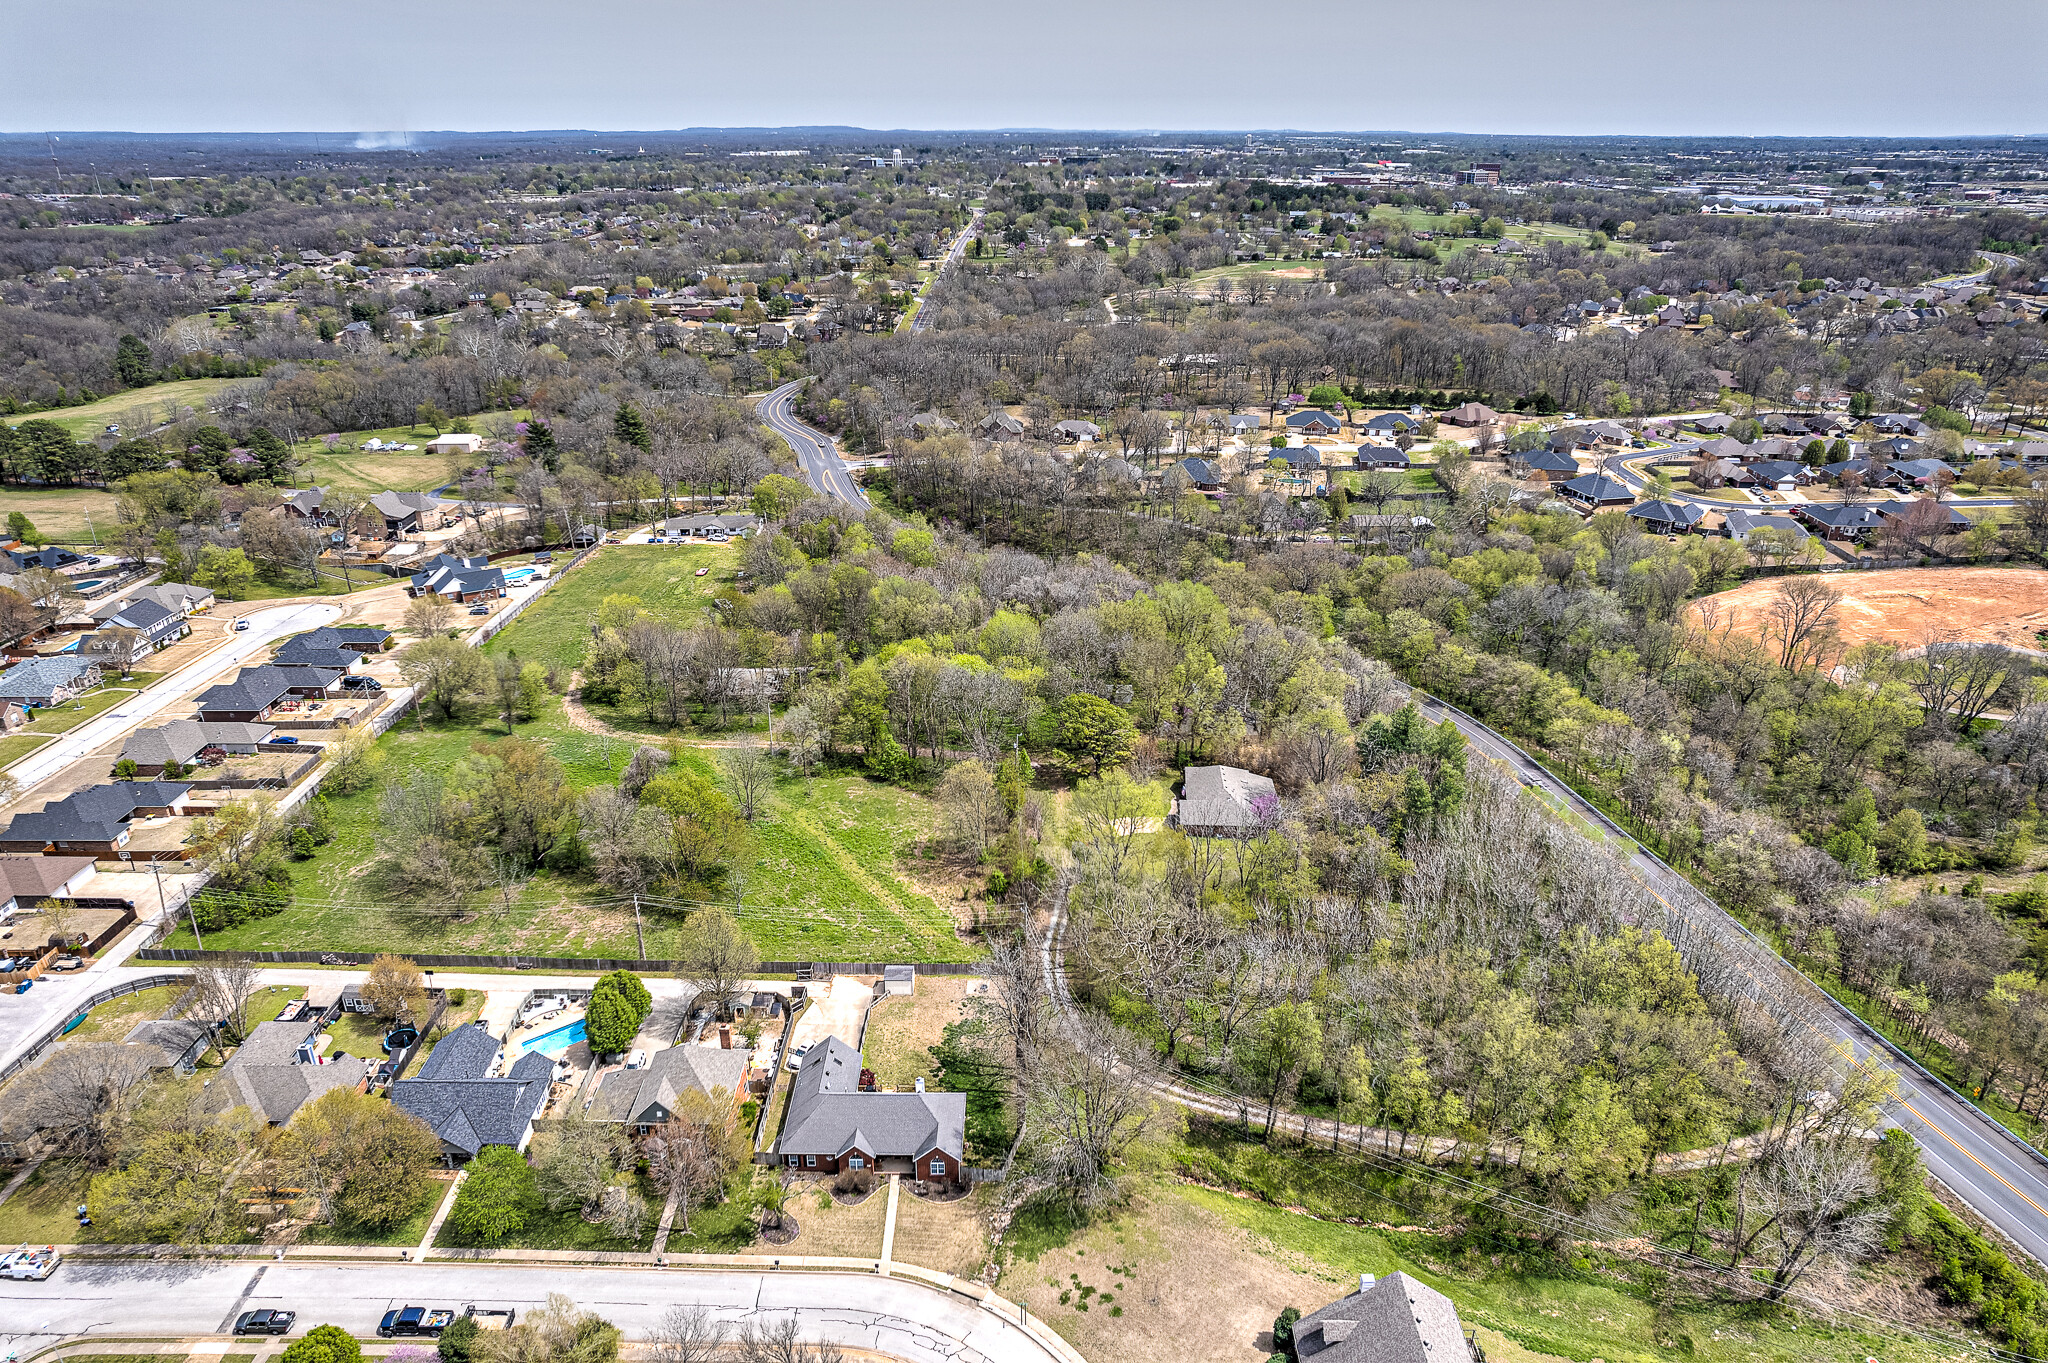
x=890, y=1315
x=265, y=628
x=1616, y=466
x=953, y=253
x=2005, y=1183
x=823, y=469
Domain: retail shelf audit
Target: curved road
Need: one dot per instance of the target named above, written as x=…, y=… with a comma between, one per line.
x=823, y=469
x=895, y=1316
x=2003, y=1180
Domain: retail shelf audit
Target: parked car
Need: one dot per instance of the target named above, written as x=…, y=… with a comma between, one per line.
x=361, y=684
x=416, y=1320
x=32, y=1265
x=479, y=609
x=241, y=625
x=283, y=738
x=796, y=1056
x=265, y=1322
x=637, y=1060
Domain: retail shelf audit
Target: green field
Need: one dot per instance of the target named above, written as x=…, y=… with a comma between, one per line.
x=63, y=718
x=155, y=404
x=556, y=629
x=348, y=468
x=66, y=515
x=14, y=747
x=823, y=881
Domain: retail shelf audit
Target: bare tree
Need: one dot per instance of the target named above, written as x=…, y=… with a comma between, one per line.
x=751, y=778
x=78, y=1097
x=1085, y=1103
x=1959, y=681
x=219, y=993
x=715, y=957
x=687, y=1334
x=1799, y=624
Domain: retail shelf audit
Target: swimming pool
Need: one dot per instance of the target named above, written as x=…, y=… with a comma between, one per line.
x=515, y=576
x=554, y=1044
x=89, y=584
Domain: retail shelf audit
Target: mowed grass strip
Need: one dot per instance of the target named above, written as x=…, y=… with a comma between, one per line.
x=556, y=629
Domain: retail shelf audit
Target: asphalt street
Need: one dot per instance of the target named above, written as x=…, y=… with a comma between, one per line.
x=905, y=1319
x=823, y=469
x=953, y=253
x=2002, y=1180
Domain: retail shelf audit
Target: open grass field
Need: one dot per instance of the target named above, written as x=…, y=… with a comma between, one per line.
x=348, y=468
x=136, y=410
x=14, y=747
x=556, y=629
x=1179, y=1252
x=1905, y=605
x=114, y=1019
x=65, y=515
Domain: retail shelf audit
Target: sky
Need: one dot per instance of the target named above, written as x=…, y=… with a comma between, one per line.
x=1757, y=67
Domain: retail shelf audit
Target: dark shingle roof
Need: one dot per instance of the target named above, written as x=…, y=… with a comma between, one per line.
x=1393, y=1320
x=829, y=1115
x=1668, y=513
x=94, y=814
x=254, y=689
x=651, y=1094
x=1598, y=487
x=466, y=1109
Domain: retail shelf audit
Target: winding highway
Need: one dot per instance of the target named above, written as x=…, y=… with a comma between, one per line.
x=2003, y=1180
x=819, y=458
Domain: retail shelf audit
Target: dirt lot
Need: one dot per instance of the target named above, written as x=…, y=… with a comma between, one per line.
x=1902, y=605
x=902, y=1031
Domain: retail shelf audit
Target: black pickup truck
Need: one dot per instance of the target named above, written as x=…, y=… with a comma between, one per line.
x=416, y=1320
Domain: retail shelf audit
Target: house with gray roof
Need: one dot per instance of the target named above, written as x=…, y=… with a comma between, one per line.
x=645, y=1098
x=832, y=1125
x=1076, y=430
x=1739, y=525
x=461, y=579
x=999, y=426
x=1596, y=490
x=1666, y=518
x=182, y=740
x=1394, y=1319
x=277, y=1070
x=1392, y=423
x=93, y=821
x=309, y=504
x=1203, y=473
x=1222, y=802
x=407, y=512
x=462, y=1102
x=250, y=698
x=48, y=681
x=712, y=523
x=1314, y=421
x=172, y=596
x=157, y=625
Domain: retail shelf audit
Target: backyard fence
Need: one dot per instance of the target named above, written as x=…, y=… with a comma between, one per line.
x=577, y=965
x=42, y=1043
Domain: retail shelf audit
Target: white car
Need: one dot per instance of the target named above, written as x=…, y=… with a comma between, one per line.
x=32, y=1264
x=796, y=1057
x=241, y=625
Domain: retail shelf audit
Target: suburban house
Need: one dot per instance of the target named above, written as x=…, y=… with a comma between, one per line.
x=645, y=1098
x=48, y=681
x=931, y=423
x=455, y=1094
x=1381, y=457
x=300, y=652
x=1313, y=422
x=1596, y=490
x=1392, y=424
x=1923, y=472
x=1667, y=518
x=1470, y=414
x=712, y=523
x=1779, y=475
x=460, y=442
x=1073, y=432
x=407, y=513
x=1874, y=472
x=93, y=821
x=1222, y=802
x=1739, y=525
x=461, y=579
x=276, y=1071
x=1543, y=466
x=50, y=556
x=250, y=698
x=172, y=596
x=1203, y=473
x=308, y=504
x=831, y=1125
x=358, y=639
x=26, y=880
x=116, y=648
x=1244, y=423
x=156, y=624
x=182, y=740
x=1836, y=522
x=1394, y=1319
x=999, y=426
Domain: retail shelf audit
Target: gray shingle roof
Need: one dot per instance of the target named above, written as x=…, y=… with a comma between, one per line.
x=94, y=814
x=466, y=1109
x=829, y=1115
x=1395, y=1320
x=254, y=689
x=1222, y=797
x=650, y=1095
x=181, y=739
x=265, y=1074
x=37, y=679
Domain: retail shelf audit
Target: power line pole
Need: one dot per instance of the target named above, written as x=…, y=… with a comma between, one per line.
x=638, y=935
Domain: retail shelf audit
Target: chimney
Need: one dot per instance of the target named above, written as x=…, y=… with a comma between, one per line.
x=1365, y=1282
x=920, y=1083
x=725, y=1036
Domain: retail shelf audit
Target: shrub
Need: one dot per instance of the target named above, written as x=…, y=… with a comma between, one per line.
x=497, y=1197
x=324, y=1344
x=852, y=1181
x=1283, y=1329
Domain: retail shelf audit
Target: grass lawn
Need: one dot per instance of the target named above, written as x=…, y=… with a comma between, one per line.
x=947, y=1237
x=64, y=718
x=62, y=514
x=115, y=1018
x=136, y=409
x=349, y=468
x=902, y=1031
x=826, y=1228
x=664, y=576
x=42, y=1210
x=14, y=747
x=727, y=1228
x=567, y=1229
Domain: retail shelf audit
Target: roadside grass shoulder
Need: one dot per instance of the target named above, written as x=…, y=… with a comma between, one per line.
x=14, y=747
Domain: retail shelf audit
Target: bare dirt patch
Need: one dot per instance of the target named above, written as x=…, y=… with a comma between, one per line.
x=1904, y=605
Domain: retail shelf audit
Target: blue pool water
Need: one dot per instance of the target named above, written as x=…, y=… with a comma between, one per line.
x=554, y=1044
x=515, y=576
x=89, y=584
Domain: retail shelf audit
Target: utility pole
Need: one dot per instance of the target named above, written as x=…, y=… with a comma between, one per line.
x=638, y=935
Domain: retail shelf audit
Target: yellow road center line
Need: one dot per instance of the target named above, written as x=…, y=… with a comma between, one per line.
x=1970, y=1157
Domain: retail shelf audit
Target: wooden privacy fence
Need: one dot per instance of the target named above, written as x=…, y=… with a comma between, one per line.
x=579, y=965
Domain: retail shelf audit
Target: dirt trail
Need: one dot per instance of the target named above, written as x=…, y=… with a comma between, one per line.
x=580, y=717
